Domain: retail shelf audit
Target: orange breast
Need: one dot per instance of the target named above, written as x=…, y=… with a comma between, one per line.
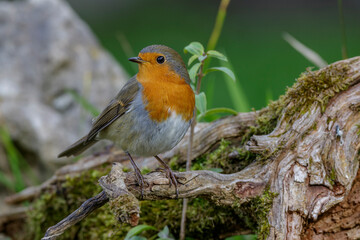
x=165, y=91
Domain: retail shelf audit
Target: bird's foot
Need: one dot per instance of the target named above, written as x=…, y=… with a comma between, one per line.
x=138, y=175
x=140, y=180
x=170, y=175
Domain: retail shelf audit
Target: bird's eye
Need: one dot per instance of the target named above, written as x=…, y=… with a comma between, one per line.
x=160, y=59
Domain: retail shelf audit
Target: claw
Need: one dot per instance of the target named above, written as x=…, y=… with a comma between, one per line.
x=138, y=175
x=170, y=175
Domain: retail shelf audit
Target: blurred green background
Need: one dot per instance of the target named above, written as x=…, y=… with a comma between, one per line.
x=263, y=62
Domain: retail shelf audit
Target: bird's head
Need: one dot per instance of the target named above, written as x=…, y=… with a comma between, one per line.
x=159, y=61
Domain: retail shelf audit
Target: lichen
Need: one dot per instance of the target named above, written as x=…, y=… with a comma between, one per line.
x=125, y=208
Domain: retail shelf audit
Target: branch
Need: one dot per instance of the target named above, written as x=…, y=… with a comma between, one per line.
x=207, y=135
x=122, y=189
x=82, y=212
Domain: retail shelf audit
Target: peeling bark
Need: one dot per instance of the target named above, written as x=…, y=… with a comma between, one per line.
x=340, y=222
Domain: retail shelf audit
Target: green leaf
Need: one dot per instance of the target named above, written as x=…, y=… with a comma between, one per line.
x=192, y=85
x=20, y=168
x=165, y=234
x=200, y=102
x=13, y=158
x=193, y=71
x=191, y=59
x=216, y=54
x=137, y=230
x=222, y=69
x=215, y=111
x=195, y=48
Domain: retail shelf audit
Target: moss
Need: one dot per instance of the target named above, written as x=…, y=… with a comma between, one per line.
x=331, y=177
x=219, y=159
x=53, y=206
x=316, y=87
x=311, y=161
x=312, y=87
x=204, y=219
x=219, y=156
x=255, y=213
x=173, y=163
x=145, y=170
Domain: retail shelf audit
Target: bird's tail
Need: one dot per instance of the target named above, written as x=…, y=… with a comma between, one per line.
x=78, y=147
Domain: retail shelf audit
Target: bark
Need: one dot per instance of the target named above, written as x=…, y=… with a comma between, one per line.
x=310, y=160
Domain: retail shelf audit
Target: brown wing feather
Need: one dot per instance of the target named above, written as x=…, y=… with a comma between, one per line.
x=116, y=108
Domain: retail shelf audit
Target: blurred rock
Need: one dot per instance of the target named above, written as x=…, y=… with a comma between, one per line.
x=45, y=50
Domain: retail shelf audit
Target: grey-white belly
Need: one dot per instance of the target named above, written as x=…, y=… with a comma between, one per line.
x=137, y=134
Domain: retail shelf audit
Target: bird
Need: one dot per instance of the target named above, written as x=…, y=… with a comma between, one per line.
x=149, y=115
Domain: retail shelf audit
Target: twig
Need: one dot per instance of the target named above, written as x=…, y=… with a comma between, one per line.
x=82, y=212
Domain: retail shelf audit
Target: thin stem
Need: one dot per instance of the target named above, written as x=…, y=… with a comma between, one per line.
x=200, y=75
x=342, y=27
x=189, y=152
x=219, y=22
x=191, y=137
x=214, y=37
x=183, y=219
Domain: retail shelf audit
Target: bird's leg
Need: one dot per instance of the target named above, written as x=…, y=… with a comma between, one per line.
x=138, y=175
x=170, y=175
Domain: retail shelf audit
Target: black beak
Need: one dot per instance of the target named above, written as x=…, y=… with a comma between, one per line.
x=137, y=60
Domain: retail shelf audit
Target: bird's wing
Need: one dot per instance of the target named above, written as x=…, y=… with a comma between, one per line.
x=116, y=108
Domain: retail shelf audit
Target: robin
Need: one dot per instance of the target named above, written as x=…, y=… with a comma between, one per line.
x=150, y=114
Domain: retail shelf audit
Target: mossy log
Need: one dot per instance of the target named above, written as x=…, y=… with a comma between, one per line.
x=305, y=162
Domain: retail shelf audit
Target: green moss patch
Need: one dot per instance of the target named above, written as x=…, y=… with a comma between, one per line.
x=255, y=213
x=204, y=219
